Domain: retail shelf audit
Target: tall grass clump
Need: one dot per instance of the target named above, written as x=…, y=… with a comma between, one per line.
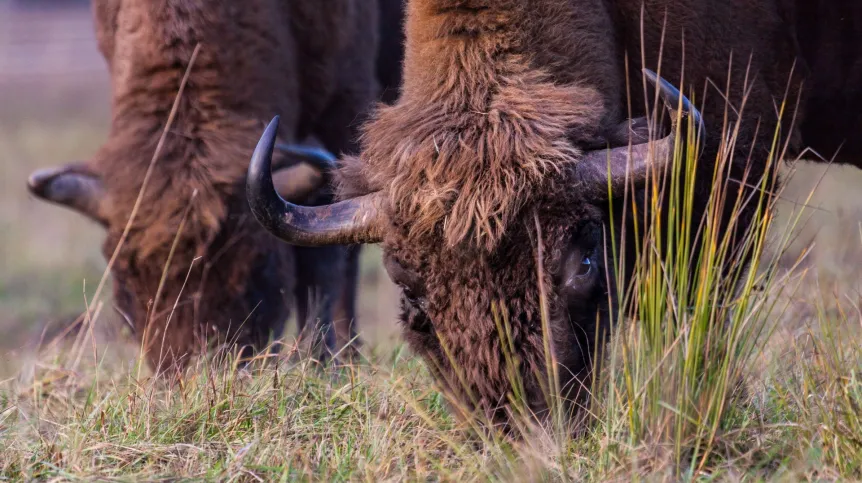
x=691, y=322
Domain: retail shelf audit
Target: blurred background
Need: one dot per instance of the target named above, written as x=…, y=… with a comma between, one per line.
x=54, y=108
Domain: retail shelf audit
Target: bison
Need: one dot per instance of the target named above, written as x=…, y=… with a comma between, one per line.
x=500, y=138
x=195, y=267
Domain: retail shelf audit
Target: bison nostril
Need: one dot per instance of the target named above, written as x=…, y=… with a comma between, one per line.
x=408, y=280
x=125, y=317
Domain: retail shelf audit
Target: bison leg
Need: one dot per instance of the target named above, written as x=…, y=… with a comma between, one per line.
x=319, y=285
x=344, y=321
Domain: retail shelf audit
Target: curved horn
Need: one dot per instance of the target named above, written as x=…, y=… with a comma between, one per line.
x=358, y=220
x=632, y=164
x=73, y=186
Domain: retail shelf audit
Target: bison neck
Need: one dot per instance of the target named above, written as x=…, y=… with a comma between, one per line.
x=153, y=46
x=497, y=96
x=239, y=80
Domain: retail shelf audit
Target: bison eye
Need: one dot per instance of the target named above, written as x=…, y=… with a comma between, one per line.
x=578, y=277
x=578, y=268
x=585, y=267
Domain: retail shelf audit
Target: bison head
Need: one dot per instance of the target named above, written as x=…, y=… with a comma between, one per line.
x=192, y=266
x=548, y=271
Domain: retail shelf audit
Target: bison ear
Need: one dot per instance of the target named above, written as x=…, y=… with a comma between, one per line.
x=74, y=186
x=302, y=169
x=297, y=183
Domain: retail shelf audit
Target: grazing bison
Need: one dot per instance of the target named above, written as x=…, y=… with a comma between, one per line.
x=499, y=140
x=195, y=264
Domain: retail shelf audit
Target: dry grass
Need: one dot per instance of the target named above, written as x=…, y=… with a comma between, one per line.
x=384, y=421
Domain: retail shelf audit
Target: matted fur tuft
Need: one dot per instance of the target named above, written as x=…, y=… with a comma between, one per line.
x=469, y=173
x=465, y=150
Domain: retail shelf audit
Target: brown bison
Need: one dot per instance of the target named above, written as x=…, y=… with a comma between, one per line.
x=499, y=140
x=195, y=265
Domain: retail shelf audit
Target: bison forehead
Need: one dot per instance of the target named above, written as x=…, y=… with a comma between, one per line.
x=469, y=170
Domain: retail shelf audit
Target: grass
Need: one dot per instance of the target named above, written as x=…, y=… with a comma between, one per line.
x=746, y=384
x=385, y=421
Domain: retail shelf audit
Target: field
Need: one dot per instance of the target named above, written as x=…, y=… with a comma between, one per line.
x=82, y=407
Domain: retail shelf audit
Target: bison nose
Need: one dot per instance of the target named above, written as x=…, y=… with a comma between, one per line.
x=125, y=317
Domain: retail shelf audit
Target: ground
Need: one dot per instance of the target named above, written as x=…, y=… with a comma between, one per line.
x=84, y=409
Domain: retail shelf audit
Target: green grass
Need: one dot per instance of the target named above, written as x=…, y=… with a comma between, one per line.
x=706, y=383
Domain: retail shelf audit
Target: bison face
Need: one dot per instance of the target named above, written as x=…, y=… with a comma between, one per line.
x=469, y=313
x=473, y=312
x=576, y=263
x=234, y=289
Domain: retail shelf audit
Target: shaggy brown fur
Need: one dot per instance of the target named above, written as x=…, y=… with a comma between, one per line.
x=311, y=62
x=500, y=99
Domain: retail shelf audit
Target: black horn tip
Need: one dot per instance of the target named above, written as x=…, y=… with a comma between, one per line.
x=261, y=159
x=263, y=199
x=60, y=185
x=672, y=96
x=669, y=93
x=272, y=127
x=74, y=186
